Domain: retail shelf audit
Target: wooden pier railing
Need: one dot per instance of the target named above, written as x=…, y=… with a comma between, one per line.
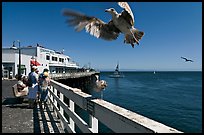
x=116, y=118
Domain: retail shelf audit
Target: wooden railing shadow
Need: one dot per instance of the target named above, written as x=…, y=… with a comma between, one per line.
x=14, y=102
x=53, y=123
x=43, y=124
x=36, y=121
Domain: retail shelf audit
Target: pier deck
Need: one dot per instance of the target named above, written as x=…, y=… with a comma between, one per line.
x=17, y=118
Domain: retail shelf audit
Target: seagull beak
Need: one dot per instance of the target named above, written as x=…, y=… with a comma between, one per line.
x=107, y=10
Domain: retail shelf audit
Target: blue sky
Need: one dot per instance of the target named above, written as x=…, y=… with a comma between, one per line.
x=172, y=30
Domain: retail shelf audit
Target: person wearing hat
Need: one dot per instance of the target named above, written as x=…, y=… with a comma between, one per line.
x=44, y=82
x=32, y=87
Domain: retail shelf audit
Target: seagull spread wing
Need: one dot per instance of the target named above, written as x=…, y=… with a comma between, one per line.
x=92, y=25
x=184, y=58
x=127, y=12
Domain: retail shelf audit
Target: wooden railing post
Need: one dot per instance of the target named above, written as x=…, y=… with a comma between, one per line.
x=51, y=97
x=61, y=109
x=71, y=122
x=93, y=123
x=55, y=102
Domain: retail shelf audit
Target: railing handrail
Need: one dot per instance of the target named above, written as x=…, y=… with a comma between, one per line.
x=116, y=118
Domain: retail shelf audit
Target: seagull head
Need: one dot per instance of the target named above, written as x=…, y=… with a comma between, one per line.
x=102, y=84
x=111, y=11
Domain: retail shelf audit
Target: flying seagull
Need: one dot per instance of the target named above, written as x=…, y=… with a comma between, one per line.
x=187, y=59
x=120, y=23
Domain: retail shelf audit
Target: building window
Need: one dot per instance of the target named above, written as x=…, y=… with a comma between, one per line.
x=47, y=57
x=61, y=60
x=54, y=58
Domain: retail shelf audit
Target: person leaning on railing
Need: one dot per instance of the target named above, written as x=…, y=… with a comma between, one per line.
x=44, y=82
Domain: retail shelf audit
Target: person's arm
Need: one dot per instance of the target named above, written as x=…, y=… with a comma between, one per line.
x=48, y=81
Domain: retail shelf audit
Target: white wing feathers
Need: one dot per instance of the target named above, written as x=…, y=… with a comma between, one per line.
x=80, y=26
x=93, y=28
x=127, y=8
x=92, y=25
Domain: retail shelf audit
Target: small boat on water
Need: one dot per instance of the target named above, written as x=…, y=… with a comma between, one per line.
x=117, y=73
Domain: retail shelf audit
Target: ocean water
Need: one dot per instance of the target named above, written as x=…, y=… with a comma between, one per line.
x=172, y=98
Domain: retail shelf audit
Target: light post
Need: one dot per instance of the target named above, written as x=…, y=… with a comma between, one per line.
x=19, y=65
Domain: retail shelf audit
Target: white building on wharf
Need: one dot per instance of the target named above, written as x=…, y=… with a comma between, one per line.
x=42, y=57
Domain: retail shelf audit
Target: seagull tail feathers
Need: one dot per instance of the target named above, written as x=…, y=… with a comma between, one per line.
x=138, y=34
x=130, y=39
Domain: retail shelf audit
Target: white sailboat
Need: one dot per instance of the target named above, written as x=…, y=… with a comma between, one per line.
x=117, y=73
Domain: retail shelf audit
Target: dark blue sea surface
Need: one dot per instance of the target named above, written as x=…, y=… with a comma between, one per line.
x=172, y=98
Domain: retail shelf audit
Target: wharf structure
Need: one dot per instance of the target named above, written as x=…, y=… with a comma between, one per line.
x=55, y=61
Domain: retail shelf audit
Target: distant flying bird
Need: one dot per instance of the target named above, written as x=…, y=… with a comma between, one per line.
x=187, y=59
x=121, y=23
